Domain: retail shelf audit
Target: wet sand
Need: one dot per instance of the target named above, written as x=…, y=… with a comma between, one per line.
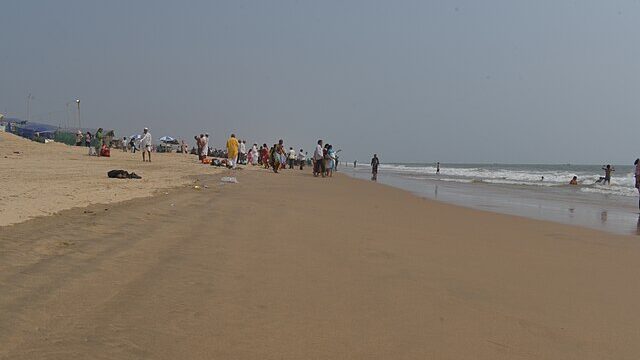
x=289, y=266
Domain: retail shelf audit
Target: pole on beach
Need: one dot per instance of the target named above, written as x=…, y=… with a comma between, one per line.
x=79, y=122
x=29, y=98
x=68, y=121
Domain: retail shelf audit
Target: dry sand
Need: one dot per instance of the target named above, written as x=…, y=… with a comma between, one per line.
x=41, y=179
x=289, y=266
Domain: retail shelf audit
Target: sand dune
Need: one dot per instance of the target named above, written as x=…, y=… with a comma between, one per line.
x=41, y=179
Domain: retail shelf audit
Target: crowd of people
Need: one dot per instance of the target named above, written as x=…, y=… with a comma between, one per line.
x=276, y=157
x=324, y=161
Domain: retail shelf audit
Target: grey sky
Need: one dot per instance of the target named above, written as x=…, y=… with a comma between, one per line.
x=545, y=81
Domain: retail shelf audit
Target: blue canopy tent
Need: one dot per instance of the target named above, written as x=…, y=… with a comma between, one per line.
x=29, y=129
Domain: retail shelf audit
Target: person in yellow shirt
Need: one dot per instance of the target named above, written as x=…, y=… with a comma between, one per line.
x=232, y=150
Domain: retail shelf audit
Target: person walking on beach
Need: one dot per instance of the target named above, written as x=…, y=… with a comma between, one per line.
x=198, y=147
x=87, y=140
x=99, y=138
x=204, y=146
x=264, y=155
x=331, y=162
x=242, y=157
x=132, y=145
x=254, y=154
x=232, y=151
x=274, y=158
x=374, y=167
x=318, y=160
x=124, y=144
x=281, y=154
x=607, y=175
x=302, y=157
x=145, y=144
x=292, y=157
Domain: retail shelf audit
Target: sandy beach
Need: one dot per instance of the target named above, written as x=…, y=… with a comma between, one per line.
x=287, y=266
x=42, y=179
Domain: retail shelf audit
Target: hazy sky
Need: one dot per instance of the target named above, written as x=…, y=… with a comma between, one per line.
x=544, y=81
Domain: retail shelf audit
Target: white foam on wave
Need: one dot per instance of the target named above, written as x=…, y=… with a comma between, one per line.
x=620, y=185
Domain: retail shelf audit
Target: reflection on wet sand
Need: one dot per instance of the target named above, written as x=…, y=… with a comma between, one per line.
x=608, y=213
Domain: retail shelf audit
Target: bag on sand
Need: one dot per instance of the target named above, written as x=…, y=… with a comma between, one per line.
x=121, y=174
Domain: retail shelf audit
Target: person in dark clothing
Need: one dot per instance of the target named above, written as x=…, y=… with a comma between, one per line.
x=374, y=167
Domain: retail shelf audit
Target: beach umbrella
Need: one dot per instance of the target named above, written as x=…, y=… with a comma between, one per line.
x=167, y=139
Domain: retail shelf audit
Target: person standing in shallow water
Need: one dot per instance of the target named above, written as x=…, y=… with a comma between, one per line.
x=438, y=168
x=637, y=164
x=374, y=167
x=607, y=175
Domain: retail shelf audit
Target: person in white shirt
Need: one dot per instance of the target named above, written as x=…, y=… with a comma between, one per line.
x=145, y=144
x=243, y=152
x=204, y=152
x=291, y=157
x=302, y=158
x=318, y=158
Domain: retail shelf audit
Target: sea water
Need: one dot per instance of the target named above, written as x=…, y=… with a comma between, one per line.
x=536, y=191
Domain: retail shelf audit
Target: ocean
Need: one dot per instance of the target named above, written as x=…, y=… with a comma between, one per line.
x=535, y=191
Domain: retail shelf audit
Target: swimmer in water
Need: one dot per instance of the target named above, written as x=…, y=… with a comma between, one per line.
x=574, y=181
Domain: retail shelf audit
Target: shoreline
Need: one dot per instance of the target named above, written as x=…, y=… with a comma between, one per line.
x=593, y=211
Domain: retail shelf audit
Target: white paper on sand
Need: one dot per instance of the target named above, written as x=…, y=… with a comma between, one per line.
x=229, y=179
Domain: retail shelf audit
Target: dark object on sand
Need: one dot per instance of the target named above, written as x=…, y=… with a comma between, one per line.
x=121, y=174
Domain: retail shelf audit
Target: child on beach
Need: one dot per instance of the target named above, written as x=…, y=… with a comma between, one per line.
x=574, y=181
x=87, y=139
x=607, y=175
x=132, y=145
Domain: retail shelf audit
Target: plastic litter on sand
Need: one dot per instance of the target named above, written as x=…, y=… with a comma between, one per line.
x=229, y=179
